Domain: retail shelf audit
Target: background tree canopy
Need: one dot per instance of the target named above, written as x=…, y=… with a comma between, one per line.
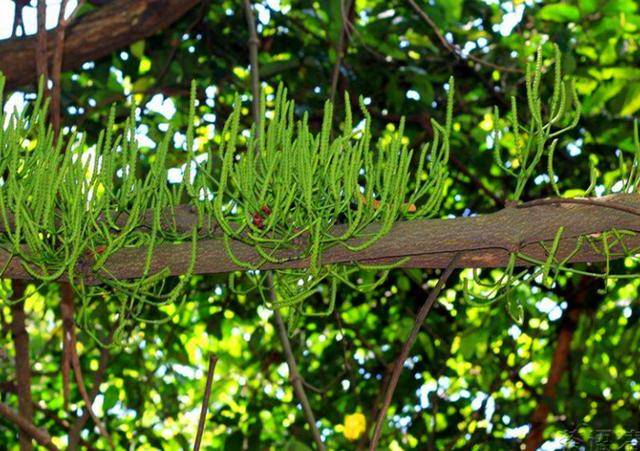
x=564, y=376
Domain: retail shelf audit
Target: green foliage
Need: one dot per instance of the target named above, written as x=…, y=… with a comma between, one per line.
x=63, y=207
x=475, y=377
x=531, y=140
x=289, y=189
x=294, y=194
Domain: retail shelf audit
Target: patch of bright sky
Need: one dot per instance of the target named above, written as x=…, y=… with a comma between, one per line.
x=555, y=444
x=175, y=175
x=575, y=148
x=517, y=432
x=550, y=307
x=512, y=16
x=162, y=105
x=7, y=8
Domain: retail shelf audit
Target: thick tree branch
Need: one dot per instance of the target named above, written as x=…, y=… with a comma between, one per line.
x=93, y=36
x=486, y=241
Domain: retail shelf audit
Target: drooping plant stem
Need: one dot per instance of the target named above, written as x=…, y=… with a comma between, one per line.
x=294, y=375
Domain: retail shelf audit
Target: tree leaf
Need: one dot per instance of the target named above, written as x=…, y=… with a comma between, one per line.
x=560, y=12
x=631, y=102
x=110, y=398
x=137, y=49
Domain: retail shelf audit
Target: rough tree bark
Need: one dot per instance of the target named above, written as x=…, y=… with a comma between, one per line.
x=94, y=35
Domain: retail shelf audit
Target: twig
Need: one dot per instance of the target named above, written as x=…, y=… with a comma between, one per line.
x=253, y=44
x=296, y=379
x=176, y=43
x=406, y=347
x=27, y=427
x=205, y=401
x=23, y=367
x=341, y=48
x=475, y=180
x=454, y=48
x=282, y=330
x=373, y=413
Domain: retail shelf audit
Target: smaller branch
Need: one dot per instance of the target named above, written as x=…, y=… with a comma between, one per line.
x=454, y=49
x=253, y=43
x=373, y=413
x=17, y=17
x=341, y=48
x=22, y=361
x=53, y=416
x=77, y=371
x=582, y=301
x=66, y=312
x=41, y=50
x=74, y=433
x=39, y=435
x=205, y=402
x=56, y=68
x=399, y=363
x=296, y=379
